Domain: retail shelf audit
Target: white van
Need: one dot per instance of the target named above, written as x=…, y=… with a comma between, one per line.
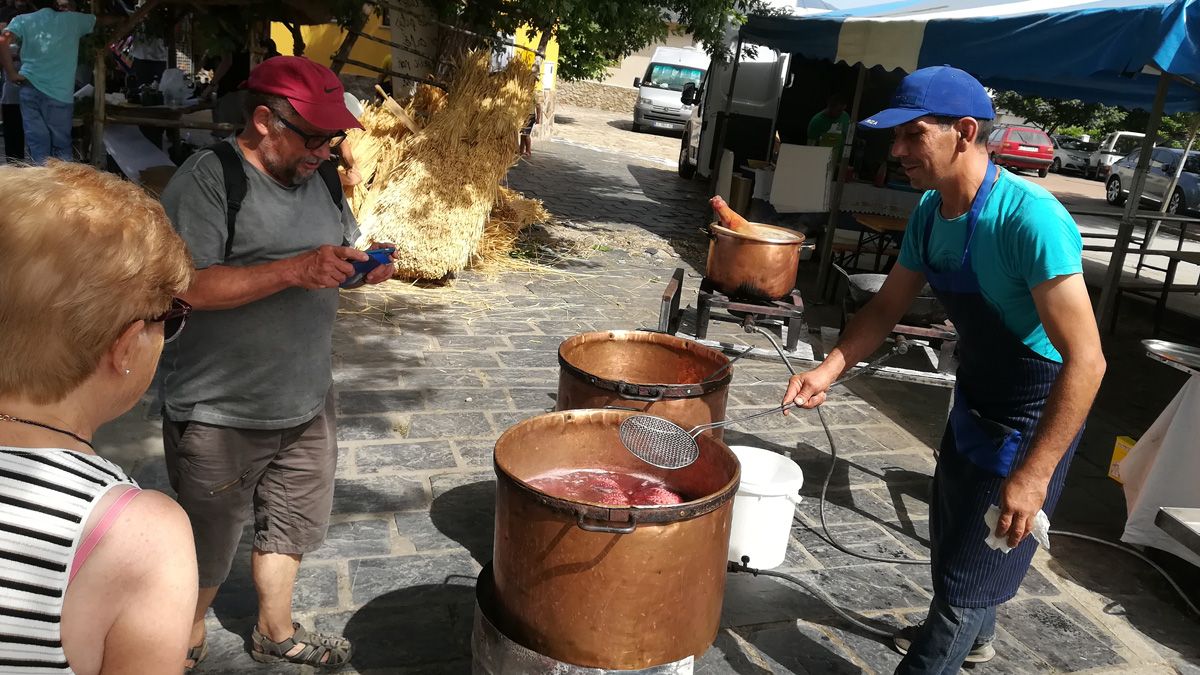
x=762, y=77
x=670, y=70
x=1113, y=148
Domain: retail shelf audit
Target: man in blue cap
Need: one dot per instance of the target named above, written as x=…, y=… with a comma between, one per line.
x=1005, y=258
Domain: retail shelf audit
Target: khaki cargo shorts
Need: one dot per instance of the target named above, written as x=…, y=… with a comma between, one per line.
x=222, y=475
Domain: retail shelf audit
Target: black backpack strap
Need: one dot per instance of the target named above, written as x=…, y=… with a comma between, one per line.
x=329, y=174
x=236, y=186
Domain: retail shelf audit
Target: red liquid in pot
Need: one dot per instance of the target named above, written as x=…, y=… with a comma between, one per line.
x=606, y=487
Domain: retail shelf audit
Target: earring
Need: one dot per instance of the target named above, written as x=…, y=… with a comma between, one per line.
x=127, y=371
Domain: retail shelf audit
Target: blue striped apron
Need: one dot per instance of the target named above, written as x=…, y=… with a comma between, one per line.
x=1002, y=387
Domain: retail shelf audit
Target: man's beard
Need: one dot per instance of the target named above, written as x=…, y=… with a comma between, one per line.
x=287, y=173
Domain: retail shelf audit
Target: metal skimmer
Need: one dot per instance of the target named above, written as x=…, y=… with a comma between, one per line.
x=667, y=445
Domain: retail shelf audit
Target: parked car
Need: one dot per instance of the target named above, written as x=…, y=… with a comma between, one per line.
x=1184, y=198
x=1071, y=154
x=1116, y=145
x=659, y=104
x=1021, y=148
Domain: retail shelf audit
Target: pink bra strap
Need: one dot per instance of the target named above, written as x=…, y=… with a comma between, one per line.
x=106, y=521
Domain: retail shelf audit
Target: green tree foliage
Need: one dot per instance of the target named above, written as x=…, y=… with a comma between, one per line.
x=594, y=34
x=1051, y=115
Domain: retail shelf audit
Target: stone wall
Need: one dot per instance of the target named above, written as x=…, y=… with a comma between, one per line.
x=598, y=96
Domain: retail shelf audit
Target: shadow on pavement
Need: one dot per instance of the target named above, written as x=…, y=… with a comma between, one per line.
x=627, y=125
x=417, y=627
x=467, y=514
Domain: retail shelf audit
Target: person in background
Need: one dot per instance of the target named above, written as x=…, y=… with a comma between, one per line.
x=97, y=575
x=526, y=138
x=248, y=423
x=10, y=95
x=49, y=40
x=1006, y=260
x=832, y=119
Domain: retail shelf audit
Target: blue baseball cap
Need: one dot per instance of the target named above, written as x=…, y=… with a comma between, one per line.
x=942, y=91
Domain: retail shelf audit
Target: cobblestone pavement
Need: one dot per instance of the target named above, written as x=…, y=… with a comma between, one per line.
x=604, y=130
x=428, y=379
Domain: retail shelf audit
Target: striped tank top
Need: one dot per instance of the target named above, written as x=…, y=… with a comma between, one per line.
x=46, y=497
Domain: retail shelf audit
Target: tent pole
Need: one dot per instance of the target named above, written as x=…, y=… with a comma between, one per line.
x=719, y=150
x=1152, y=232
x=1116, y=264
x=835, y=199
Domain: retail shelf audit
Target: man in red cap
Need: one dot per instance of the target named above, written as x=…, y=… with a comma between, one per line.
x=248, y=417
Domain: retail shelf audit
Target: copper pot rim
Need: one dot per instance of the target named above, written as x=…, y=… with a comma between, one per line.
x=645, y=390
x=784, y=235
x=579, y=510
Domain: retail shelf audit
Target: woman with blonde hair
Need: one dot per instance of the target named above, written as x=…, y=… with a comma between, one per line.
x=97, y=575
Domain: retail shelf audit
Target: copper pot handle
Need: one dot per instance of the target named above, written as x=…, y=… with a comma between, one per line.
x=604, y=529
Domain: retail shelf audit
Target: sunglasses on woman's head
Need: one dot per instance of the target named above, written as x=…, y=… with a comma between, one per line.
x=173, y=319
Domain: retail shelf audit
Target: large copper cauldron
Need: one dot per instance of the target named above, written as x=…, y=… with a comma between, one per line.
x=652, y=372
x=758, y=265
x=601, y=586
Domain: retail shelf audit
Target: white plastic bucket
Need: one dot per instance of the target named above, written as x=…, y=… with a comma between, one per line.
x=764, y=506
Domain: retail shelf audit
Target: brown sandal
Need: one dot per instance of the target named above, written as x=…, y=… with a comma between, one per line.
x=320, y=651
x=196, y=655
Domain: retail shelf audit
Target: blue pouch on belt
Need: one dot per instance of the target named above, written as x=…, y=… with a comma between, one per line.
x=988, y=445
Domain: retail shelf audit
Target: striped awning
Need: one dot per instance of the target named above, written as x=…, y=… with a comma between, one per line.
x=1106, y=51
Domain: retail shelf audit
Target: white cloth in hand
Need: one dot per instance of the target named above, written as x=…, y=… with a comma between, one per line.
x=1040, y=533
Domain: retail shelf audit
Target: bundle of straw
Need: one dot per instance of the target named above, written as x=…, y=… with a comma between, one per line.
x=512, y=213
x=376, y=150
x=435, y=201
x=427, y=100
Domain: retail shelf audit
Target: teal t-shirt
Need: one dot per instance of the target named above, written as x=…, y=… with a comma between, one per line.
x=50, y=49
x=1023, y=237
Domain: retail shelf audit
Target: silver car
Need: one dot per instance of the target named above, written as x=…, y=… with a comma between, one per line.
x=1184, y=199
x=1071, y=154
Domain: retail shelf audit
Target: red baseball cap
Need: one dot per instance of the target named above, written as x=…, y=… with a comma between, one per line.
x=313, y=90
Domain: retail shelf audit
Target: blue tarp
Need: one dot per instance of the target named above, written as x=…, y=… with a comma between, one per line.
x=1092, y=51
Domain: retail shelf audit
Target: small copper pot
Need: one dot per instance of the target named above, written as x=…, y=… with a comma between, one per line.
x=759, y=264
x=654, y=373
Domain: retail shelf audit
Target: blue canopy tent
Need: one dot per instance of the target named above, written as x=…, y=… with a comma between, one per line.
x=1117, y=52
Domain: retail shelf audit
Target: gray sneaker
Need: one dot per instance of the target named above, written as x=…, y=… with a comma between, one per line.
x=982, y=652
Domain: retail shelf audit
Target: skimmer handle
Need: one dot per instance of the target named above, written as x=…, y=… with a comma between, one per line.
x=698, y=429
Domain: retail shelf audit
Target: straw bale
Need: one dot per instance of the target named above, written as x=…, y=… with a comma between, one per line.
x=435, y=201
x=376, y=152
x=512, y=213
x=426, y=101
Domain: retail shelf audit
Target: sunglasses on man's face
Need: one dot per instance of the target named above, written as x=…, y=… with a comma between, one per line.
x=173, y=319
x=314, y=141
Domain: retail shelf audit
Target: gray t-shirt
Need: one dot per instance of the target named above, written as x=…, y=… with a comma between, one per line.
x=267, y=364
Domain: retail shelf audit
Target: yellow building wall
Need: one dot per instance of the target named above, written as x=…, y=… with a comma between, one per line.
x=525, y=38
x=322, y=42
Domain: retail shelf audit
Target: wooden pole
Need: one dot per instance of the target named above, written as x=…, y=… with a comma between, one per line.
x=835, y=198
x=342, y=56
x=1116, y=264
x=718, y=153
x=99, y=84
x=1155, y=226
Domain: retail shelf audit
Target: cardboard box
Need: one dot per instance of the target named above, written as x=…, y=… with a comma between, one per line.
x=1120, y=449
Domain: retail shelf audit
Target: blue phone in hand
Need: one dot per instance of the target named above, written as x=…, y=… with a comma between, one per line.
x=375, y=258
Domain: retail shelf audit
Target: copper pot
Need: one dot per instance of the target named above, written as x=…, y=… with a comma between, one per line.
x=758, y=264
x=651, y=372
x=601, y=586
